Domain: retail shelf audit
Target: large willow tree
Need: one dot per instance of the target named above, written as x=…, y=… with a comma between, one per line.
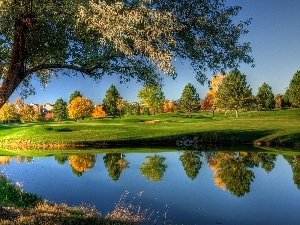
x=132, y=38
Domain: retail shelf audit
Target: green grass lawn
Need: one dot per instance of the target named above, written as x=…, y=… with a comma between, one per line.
x=281, y=125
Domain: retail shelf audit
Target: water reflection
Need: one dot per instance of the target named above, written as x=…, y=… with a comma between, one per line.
x=294, y=161
x=5, y=160
x=191, y=163
x=115, y=163
x=81, y=163
x=233, y=171
x=154, y=168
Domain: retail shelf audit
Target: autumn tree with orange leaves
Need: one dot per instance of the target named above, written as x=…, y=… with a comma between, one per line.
x=82, y=163
x=98, y=112
x=169, y=106
x=80, y=108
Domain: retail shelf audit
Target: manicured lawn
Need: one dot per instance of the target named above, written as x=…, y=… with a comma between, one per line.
x=280, y=126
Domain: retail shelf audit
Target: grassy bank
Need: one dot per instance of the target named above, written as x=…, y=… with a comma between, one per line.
x=282, y=126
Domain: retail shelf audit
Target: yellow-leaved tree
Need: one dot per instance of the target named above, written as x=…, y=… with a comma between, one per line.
x=98, y=112
x=80, y=108
x=8, y=113
x=82, y=163
x=27, y=114
x=214, y=84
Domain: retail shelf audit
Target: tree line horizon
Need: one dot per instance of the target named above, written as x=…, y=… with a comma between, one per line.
x=227, y=92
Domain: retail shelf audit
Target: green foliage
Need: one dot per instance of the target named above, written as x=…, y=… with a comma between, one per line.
x=266, y=161
x=293, y=91
x=152, y=97
x=11, y=195
x=153, y=168
x=132, y=108
x=74, y=95
x=61, y=159
x=294, y=161
x=265, y=97
x=189, y=100
x=191, y=163
x=70, y=37
x=285, y=99
x=234, y=92
x=235, y=175
x=110, y=102
x=59, y=111
x=115, y=164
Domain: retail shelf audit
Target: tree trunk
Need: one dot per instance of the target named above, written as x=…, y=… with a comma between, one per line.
x=16, y=71
x=236, y=113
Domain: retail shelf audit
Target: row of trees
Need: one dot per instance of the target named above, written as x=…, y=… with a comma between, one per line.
x=152, y=101
x=227, y=91
x=230, y=91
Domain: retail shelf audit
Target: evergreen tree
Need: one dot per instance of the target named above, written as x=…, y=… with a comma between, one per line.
x=74, y=95
x=189, y=100
x=265, y=97
x=59, y=111
x=110, y=102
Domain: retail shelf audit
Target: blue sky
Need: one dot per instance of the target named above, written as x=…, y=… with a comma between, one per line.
x=274, y=35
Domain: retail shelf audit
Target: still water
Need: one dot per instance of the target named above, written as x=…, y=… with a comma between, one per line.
x=188, y=187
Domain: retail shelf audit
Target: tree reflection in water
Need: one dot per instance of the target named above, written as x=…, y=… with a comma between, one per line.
x=233, y=171
x=191, y=163
x=294, y=161
x=5, y=160
x=82, y=163
x=153, y=168
x=115, y=163
x=61, y=159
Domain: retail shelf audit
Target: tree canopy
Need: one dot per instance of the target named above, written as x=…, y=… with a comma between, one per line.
x=189, y=99
x=152, y=97
x=134, y=39
x=110, y=102
x=293, y=92
x=265, y=97
x=154, y=168
x=234, y=92
x=59, y=110
x=80, y=108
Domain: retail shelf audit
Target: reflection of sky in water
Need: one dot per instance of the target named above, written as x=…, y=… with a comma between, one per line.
x=274, y=198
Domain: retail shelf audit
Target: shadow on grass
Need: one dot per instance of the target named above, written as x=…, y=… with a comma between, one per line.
x=224, y=138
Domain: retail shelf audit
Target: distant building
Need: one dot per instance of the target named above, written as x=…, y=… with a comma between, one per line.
x=43, y=108
x=48, y=107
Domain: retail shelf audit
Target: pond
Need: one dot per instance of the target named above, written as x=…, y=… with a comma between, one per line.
x=180, y=187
